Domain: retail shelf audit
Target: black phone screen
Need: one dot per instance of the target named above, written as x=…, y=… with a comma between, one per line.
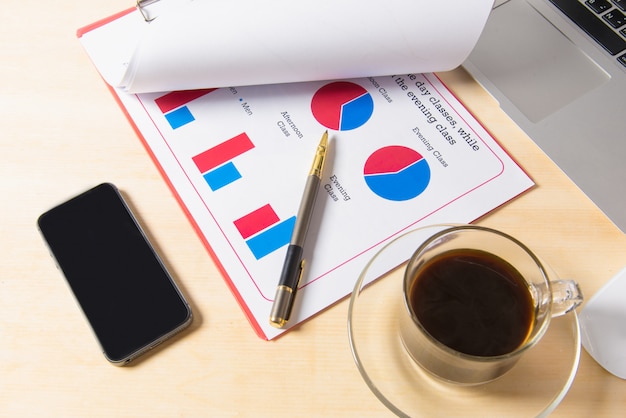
x=124, y=290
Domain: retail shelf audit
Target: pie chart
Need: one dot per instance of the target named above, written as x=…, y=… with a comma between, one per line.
x=396, y=173
x=342, y=105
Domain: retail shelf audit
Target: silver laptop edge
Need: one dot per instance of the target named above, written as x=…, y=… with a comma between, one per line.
x=564, y=90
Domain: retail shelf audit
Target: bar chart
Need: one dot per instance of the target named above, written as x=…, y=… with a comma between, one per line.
x=174, y=106
x=263, y=230
x=216, y=163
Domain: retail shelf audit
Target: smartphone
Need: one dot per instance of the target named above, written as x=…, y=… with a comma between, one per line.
x=122, y=286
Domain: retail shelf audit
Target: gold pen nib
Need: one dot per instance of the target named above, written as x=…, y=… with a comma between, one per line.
x=320, y=157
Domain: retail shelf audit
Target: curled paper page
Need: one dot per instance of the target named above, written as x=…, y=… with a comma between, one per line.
x=220, y=43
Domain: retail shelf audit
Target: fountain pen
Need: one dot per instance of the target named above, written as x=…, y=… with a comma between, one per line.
x=294, y=262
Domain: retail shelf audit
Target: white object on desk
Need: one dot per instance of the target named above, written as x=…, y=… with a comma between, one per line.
x=603, y=325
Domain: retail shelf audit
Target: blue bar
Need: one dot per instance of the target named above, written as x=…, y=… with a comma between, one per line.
x=222, y=176
x=179, y=117
x=272, y=239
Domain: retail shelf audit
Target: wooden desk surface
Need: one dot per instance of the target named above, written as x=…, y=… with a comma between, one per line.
x=61, y=132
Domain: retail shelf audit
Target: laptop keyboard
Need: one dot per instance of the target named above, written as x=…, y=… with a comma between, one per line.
x=603, y=20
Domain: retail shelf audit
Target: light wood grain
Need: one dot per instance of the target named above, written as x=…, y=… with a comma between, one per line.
x=61, y=132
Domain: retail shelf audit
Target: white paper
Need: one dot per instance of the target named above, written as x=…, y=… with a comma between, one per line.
x=403, y=153
x=222, y=43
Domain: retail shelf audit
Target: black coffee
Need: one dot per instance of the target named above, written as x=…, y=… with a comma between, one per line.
x=474, y=302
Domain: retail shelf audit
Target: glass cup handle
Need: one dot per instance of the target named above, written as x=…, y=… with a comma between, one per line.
x=566, y=296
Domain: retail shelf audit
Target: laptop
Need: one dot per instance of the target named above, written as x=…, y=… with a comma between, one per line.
x=558, y=69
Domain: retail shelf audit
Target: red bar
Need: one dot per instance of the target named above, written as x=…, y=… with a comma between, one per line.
x=179, y=98
x=223, y=152
x=256, y=221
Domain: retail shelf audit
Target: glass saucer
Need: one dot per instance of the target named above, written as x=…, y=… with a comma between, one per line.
x=534, y=387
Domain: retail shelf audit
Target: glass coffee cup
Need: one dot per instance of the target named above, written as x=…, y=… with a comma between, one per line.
x=474, y=300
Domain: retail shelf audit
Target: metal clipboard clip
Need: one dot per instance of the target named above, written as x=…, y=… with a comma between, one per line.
x=142, y=7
